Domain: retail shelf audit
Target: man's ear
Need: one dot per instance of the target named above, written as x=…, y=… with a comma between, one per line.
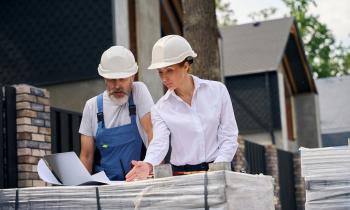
x=132, y=78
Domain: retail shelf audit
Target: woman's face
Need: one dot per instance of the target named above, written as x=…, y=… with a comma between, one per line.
x=173, y=76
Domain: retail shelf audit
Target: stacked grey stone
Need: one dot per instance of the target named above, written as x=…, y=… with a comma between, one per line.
x=221, y=190
x=327, y=177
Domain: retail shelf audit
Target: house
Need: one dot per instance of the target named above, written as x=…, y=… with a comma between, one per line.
x=271, y=85
x=335, y=110
x=57, y=45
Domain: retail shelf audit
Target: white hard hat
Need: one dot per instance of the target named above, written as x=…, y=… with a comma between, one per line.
x=117, y=62
x=169, y=50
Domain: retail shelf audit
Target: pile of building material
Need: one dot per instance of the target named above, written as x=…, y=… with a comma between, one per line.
x=327, y=177
x=212, y=190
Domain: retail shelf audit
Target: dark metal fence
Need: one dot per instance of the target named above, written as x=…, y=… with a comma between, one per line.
x=255, y=157
x=8, y=142
x=64, y=128
x=286, y=180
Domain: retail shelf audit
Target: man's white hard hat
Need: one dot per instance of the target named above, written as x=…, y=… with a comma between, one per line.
x=117, y=62
x=169, y=50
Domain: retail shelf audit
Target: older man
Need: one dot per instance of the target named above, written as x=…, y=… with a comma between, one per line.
x=116, y=124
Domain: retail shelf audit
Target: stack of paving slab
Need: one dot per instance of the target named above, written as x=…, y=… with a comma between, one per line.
x=327, y=177
x=212, y=190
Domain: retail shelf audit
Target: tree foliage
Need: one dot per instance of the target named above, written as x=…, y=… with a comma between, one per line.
x=225, y=13
x=263, y=14
x=325, y=56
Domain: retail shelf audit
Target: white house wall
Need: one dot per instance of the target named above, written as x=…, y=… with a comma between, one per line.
x=72, y=96
x=121, y=22
x=148, y=32
x=283, y=144
x=264, y=138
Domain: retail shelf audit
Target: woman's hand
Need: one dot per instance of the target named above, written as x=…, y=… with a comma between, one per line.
x=140, y=171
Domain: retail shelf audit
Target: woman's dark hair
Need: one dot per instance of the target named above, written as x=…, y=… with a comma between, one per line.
x=189, y=59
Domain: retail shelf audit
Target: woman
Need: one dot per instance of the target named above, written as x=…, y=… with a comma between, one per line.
x=196, y=113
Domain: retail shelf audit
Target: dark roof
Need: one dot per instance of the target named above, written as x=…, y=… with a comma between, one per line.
x=254, y=47
x=267, y=46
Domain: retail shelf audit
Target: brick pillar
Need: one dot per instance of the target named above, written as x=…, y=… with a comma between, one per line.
x=299, y=183
x=271, y=161
x=33, y=132
x=239, y=162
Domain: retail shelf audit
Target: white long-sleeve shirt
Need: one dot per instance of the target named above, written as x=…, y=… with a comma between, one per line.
x=203, y=132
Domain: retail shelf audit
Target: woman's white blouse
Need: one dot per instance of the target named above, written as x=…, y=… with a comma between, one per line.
x=203, y=132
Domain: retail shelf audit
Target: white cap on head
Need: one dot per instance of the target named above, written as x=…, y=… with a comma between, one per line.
x=117, y=62
x=170, y=50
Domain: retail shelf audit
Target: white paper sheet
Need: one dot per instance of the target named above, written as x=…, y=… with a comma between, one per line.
x=45, y=173
x=69, y=171
x=101, y=177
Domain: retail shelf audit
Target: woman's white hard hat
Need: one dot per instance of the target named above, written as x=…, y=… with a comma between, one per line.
x=117, y=62
x=170, y=50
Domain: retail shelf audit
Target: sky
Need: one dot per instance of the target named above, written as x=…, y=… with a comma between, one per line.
x=334, y=13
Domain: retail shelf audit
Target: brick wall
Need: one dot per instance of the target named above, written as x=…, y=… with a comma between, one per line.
x=239, y=162
x=271, y=162
x=299, y=183
x=33, y=132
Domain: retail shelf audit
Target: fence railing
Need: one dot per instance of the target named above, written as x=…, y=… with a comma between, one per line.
x=256, y=163
x=64, y=128
x=255, y=157
x=8, y=140
x=286, y=180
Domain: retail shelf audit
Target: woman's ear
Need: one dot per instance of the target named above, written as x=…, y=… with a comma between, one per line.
x=187, y=67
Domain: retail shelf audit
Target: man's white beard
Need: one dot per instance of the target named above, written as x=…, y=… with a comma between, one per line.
x=119, y=101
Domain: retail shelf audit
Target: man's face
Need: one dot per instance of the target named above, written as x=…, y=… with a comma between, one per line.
x=119, y=89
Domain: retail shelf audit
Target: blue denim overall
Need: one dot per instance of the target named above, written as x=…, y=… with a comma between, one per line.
x=116, y=147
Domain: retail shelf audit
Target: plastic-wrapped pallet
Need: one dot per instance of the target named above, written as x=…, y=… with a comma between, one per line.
x=325, y=161
x=327, y=177
x=215, y=190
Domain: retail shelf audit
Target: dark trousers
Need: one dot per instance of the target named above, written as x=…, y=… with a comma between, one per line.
x=188, y=168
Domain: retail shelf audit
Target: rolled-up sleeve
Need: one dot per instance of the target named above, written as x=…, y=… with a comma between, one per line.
x=227, y=131
x=159, y=145
x=86, y=121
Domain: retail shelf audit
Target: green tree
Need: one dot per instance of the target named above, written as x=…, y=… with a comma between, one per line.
x=225, y=15
x=263, y=14
x=325, y=56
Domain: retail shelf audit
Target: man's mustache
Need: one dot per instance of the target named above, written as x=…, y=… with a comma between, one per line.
x=111, y=92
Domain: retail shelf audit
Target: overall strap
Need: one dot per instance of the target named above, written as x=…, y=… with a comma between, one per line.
x=100, y=118
x=132, y=106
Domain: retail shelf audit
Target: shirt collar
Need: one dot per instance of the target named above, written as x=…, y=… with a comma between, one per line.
x=198, y=82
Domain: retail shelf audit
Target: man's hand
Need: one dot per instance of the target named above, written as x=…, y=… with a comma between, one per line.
x=140, y=171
